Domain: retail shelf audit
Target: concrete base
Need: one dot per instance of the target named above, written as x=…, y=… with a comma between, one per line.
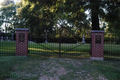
x=97, y=58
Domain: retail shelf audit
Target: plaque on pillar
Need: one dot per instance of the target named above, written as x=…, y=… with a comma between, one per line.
x=21, y=37
x=98, y=39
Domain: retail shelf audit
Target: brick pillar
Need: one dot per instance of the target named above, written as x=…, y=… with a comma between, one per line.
x=97, y=45
x=21, y=42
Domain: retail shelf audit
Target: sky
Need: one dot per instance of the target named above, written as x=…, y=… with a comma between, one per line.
x=0, y=7
x=13, y=0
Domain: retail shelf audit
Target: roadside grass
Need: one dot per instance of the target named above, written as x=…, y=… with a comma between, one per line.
x=33, y=68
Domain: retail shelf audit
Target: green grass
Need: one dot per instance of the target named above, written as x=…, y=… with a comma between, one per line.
x=6, y=64
x=112, y=51
x=7, y=48
x=32, y=68
x=52, y=49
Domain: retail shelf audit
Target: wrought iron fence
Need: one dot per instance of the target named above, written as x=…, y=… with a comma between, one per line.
x=7, y=44
x=58, y=47
x=111, y=49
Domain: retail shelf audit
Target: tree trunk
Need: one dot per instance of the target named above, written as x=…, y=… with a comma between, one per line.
x=94, y=14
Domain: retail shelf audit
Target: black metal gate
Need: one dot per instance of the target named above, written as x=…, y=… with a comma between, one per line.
x=63, y=44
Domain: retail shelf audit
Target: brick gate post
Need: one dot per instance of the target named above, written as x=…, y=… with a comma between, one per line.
x=97, y=45
x=21, y=41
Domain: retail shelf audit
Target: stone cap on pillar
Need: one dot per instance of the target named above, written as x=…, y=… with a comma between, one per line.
x=97, y=31
x=21, y=29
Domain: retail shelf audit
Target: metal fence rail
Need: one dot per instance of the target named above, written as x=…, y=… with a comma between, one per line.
x=7, y=45
x=72, y=50
x=111, y=49
x=59, y=49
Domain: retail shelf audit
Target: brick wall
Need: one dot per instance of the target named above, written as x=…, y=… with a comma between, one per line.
x=21, y=47
x=97, y=44
x=97, y=49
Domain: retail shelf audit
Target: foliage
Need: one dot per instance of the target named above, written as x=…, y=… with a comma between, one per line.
x=63, y=10
x=113, y=18
x=64, y=15
x=7, y=12
x=37, y=17
x=43, y=16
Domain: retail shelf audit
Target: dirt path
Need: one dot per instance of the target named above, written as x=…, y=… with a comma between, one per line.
x=56, y=69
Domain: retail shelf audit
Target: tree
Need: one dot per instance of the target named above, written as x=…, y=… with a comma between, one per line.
x=70, y=10
x=36, y=16
x=113, y=17
x=94, y=14
x=7, y=12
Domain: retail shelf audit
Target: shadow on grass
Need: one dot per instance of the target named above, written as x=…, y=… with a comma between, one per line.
x=111, y=56
x=57, y=55
x=111, y=70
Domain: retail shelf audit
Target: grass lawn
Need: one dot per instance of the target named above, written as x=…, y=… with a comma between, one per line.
x=7, y=48
x=112, y=51
x=66, y=49
x=33, y=68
